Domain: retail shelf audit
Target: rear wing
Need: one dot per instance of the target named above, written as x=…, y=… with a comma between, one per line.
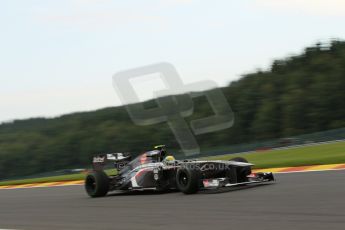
x=99, y=162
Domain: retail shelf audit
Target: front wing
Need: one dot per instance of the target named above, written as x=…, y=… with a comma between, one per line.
x=254, y=178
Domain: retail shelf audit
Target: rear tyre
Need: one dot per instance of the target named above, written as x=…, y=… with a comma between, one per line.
x=242, y=172
x=97, y=184
x=187, y=180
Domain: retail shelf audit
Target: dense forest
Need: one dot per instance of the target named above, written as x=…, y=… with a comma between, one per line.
x=300, y=94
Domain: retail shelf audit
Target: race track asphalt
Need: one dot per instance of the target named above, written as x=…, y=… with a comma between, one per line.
x=310, y=200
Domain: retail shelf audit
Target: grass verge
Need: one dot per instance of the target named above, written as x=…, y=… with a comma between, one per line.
x=332, y=153
x=71, y=177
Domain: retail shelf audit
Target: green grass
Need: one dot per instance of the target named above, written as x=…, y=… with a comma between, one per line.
x=79, y=176
x=332, y=153
x=71, y=177
x=302, y=156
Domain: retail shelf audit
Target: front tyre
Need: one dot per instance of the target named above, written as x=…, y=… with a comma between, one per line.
x=97, y=184
x=187, y=180
x=242, y=172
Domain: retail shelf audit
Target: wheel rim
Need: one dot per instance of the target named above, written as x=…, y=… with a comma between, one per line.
x=90, y=184
x=183, y=179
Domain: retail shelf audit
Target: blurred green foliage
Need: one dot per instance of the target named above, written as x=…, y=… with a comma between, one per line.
x=300, y=94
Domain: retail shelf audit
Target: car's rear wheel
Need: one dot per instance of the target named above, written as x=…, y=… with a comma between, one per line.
x=97, y=184
x=242, y=172
x=187, y=180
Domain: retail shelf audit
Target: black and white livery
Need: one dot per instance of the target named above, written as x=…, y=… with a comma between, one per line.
x=154, y=170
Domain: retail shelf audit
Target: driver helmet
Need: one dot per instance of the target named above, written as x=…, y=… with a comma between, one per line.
x=169, y=158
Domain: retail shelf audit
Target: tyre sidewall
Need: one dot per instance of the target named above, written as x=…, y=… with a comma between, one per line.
x=242, y=172
x=193, y=177
x=101, y=184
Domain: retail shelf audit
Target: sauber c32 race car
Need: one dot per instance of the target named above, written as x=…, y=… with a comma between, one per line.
x=153, y=170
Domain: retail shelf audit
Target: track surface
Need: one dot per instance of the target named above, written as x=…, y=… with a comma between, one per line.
x=311, y=200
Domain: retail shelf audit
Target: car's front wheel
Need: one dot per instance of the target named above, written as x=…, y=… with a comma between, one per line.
x=242, y=172
x=97, y=184
x=187, y=180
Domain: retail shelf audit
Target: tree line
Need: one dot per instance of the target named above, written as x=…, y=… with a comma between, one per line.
x=297, y=95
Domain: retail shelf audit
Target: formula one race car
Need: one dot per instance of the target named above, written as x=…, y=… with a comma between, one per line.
x=154, y=170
